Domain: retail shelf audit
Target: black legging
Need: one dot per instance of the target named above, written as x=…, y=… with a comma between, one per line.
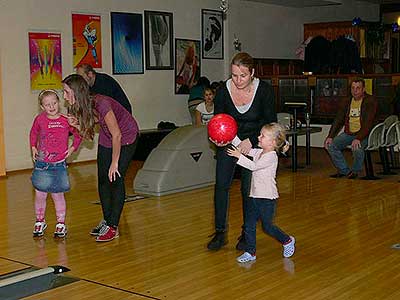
x=112, y=194
x=225, y=170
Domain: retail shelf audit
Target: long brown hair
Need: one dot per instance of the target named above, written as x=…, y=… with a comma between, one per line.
x=82, y=109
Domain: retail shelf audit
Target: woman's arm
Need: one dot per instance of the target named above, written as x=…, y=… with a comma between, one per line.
x=115, y=131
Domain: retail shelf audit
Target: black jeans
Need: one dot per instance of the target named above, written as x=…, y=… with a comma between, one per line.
x=225, y=170
x=264, y=209
x=112, y=194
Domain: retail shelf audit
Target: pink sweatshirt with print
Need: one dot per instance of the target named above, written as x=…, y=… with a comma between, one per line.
x=50, y=137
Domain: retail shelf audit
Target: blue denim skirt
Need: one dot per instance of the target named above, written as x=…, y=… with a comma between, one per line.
x=50, y=177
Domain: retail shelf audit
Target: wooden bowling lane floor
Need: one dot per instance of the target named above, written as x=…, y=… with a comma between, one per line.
x=87, y=290
x=7, y=266
x=344, y=231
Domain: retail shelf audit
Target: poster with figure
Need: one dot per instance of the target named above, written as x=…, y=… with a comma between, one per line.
x=127, y=43
x=159, y=32
x=45, y=60
x=187, y=65
x=86, y=40
x=212, y=32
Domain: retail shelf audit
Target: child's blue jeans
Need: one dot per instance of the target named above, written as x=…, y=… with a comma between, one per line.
x=264, y=209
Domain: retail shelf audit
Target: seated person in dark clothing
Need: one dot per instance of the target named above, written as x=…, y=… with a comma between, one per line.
x=357, y=115
x=104, y=84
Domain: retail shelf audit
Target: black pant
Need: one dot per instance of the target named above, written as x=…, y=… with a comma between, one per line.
x=225, y=170
x=112, y=194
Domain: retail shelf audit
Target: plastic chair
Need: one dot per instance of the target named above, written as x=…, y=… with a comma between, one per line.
x=284, y=119
x=375, y=142
x=391, y=140
x=390, y=120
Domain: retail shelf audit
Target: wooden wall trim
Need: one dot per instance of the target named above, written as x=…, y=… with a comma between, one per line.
x=2, y=145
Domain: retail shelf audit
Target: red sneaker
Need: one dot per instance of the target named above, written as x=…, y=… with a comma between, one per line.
x=108, y=234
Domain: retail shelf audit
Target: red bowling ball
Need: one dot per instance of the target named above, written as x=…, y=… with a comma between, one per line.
x=222, y=129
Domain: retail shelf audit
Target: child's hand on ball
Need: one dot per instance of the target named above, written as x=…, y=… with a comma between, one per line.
x=233, y=151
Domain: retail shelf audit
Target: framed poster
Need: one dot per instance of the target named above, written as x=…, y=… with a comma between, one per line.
x=212, y=34
x=86, y=40
x=127, y=43
x=159, y=32
x=45, y=60
x=187, y=65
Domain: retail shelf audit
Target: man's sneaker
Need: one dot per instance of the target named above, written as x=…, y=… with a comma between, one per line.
x=39, y=228
x=61, y=230
x=109, y=234
x=241, y=244
x=217, y=241
x=246, y=257
x=99, y=229
x=289, y=248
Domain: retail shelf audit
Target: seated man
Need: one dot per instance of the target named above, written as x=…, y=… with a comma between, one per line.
x=357, y=115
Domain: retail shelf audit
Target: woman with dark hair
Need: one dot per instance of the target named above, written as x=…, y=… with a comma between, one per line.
x=251, y=103
x=117, y=142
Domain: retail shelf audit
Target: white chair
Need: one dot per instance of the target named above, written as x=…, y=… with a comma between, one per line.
x=390, y=120
x=375, y=142
x=391, y=140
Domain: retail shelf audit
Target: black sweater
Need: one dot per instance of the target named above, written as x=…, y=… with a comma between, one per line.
x=261, y=111
x=108, y=86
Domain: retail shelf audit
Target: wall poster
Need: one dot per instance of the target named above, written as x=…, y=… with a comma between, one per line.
x=45, y=60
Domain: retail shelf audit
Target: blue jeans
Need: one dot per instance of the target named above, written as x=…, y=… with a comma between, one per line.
x=224, y=175
x=50, y=177
x=264, y=209
x=335, y=151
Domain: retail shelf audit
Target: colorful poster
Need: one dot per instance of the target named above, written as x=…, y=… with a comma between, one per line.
x=86, y=34
x=45, y=60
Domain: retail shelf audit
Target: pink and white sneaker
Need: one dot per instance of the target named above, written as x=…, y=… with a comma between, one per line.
x=39, y=228
x=61, y=230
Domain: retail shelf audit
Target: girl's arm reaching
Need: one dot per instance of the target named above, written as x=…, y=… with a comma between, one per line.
x=233, y=151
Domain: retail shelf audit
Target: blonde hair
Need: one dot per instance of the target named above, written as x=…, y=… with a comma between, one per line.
x=45, y=93
x=279, y=134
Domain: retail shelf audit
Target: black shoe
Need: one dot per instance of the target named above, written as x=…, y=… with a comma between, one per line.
x=218, y=241
x=241, y=244
x=338, y=175
x=352, y=175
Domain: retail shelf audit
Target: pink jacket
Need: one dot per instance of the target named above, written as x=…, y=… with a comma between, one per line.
x=263, y=166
